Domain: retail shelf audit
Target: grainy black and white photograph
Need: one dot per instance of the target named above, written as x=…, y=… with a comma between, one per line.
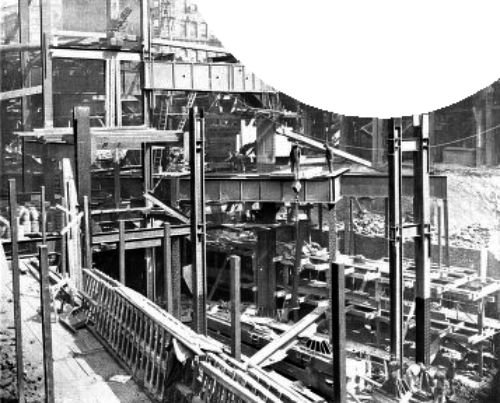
x=175, y=229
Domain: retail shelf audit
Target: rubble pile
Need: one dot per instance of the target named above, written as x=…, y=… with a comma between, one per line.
x=8, y=382
x=473, y=236
x=369, y=224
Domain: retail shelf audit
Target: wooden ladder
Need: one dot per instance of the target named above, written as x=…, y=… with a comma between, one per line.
x=190, y=102
x=163, y=119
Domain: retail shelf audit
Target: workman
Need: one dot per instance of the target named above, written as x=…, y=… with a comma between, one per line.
x=441, y=389
x=240, y=162
x=412, y=375
x=329, y=157
x=295, y=154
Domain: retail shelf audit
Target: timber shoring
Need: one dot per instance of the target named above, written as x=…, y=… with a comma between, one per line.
x=150, y=344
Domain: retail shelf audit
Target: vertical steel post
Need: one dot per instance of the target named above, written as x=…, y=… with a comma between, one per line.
x=121, y=251
x=167, y=268
x=117, y=196
x=235, y=284
x=176, y=276
x=16, y=288
x=197, y=165
x=352, y=249
x=332, y=250
x=299, y=241
x=45, y=300
x=440, y=236
x=395, y=241
x=83, y=151
x=422, y=241
x=88, y=234
x=45, y=35
x=446, y=229
x=480, y=328
x=43, y=216
x=337, y=295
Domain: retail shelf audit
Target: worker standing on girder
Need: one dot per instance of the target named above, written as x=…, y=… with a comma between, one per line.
x=295, y=154
x=329, y=157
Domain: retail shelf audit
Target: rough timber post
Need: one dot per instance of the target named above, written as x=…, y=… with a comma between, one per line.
x=422, y=242
x=196, y=164
x=48, y=360
x=16, y=290
x=167, y=268
x=395, y=240
x=235, y=284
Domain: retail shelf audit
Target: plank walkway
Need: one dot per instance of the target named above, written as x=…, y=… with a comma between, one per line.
x=82, y=367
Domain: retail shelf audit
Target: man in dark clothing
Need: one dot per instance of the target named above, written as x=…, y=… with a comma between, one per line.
x=295, y=154
x=329, y=157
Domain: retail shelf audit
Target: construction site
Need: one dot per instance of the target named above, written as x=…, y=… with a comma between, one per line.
x=174, y=229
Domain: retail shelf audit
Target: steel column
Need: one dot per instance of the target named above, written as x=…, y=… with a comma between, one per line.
x=266, y=275
x=422, y=241
x=197, y=164
x=121, y=251
x=45, y=34
x=83, y=151
x=337, y=292
x=395, y=242
x=88, y=233
x=332, y=249
x=176, y=277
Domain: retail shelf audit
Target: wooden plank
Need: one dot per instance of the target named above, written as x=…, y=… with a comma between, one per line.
x=287, y=337
x=46, y=308
x=22, y=92
x=168, y=210
x=138, y=235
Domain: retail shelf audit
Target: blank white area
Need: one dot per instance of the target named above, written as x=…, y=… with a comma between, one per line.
x=372, y=58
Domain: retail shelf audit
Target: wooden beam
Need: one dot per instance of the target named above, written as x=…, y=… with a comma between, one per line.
x=168, y=210
x=286, y=338
x=22, y=92
x=320, y=146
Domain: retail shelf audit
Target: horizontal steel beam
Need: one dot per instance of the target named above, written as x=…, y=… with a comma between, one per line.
x=266, y=188
x=374, y=185
x=320, y=189
x=203, y=77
